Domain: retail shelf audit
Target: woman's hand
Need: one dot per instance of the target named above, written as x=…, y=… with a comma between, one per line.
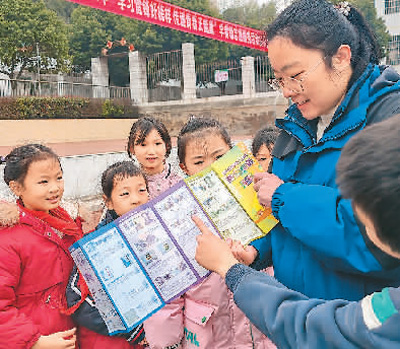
x=265, y=185
x=90, y=215
x=58, y=340
x=245, y=255
x=212, y=252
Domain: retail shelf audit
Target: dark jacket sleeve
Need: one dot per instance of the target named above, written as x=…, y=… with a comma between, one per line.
x=384, y=108
x=292, y=320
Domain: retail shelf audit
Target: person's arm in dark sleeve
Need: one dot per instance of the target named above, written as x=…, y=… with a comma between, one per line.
x=292, y=320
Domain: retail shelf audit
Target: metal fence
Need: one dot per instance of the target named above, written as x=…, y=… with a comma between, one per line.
x=60, y=88
x=164, y=80
x=164, y=76
x=263, y=74
x=118, y=92
x=75, y=89
x=219, y=78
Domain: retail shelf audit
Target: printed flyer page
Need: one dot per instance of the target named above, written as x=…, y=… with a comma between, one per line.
x=226, y=192
x=236, y=169
x=228, y=216
x=143, y=259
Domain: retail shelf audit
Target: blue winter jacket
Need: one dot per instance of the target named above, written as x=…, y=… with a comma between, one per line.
x=292, y=320
x=319, y=248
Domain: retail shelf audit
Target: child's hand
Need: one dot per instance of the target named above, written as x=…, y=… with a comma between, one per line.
x=245, y=255
x=58, y=340
x=212, y=252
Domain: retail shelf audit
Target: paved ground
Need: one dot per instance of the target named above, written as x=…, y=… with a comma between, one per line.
x=93, y=147
x=66, y=137
x=80, y=148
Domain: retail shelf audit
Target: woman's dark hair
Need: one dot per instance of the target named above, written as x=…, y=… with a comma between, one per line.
x=141, y=128
x=318, y=24
x=196, y=127
x=20, y=158
x=118, y=171
x=266, y=136
x=368, y=172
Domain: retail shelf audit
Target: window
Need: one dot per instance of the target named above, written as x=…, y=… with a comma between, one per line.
x=392, y=6
x=394, y=50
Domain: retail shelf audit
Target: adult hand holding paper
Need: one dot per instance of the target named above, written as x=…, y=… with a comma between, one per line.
x=212, y=252
x=265, y=185
x=244, y=254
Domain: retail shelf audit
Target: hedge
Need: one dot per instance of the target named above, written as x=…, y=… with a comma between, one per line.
x=21, y=108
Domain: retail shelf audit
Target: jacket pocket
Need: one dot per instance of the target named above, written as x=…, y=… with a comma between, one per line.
x=198, y=321
x=51, y=297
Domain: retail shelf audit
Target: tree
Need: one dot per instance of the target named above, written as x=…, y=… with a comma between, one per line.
x=88, y=35
x=91, y=29
x=62, y=7
x=27, y=27
x=251, y=15
x=206, y=49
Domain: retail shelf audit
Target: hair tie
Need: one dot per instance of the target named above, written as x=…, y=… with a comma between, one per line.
x=344, y=8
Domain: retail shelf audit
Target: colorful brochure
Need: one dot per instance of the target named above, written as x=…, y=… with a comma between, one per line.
x=146, y=258
x=226, y=191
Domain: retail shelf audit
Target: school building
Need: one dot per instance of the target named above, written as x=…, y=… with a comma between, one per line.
x=389, y=10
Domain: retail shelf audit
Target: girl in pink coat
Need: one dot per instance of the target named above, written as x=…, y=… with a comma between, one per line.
x=205, y=316
x=150, y=143
x=34, y=259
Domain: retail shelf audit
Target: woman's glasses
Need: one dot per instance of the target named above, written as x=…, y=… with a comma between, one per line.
x=292, y=83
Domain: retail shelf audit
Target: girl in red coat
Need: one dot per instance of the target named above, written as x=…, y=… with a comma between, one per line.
x=34, y=260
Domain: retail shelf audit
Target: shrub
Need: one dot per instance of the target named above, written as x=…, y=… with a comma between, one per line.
x=8, y=108
x=49, y=107
x=63, y=108
x=110, y=109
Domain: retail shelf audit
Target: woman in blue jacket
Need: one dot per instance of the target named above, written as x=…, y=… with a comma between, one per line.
x=325, y=60
x=293, y=320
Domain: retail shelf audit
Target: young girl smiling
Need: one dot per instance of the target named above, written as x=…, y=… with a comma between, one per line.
x=34, y=259
x=150, y=143
x=207, y=316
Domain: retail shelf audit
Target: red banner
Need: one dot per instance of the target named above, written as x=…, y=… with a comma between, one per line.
x=175, y=17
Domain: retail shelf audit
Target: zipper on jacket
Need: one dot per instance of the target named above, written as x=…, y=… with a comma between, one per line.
x=251, y=335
